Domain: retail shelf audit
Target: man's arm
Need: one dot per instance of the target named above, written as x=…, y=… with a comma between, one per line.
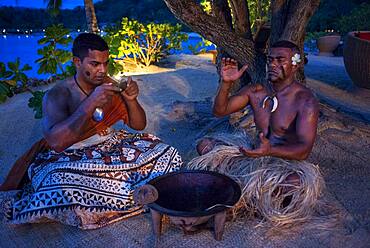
x=136, y=113
x=62, y=130
x=224, y=105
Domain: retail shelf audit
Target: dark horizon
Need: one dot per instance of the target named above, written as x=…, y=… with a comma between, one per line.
x=39, y=4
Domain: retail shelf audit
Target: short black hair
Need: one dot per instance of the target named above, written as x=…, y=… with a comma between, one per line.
x=86, y=41
x=287, y=44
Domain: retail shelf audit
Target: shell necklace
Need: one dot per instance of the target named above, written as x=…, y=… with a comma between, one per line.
x=273, y=98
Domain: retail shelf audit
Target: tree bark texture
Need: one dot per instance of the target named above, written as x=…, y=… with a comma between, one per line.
x=92, y=23
x=288, y=22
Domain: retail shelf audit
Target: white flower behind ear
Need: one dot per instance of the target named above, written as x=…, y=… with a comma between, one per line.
x=296, y=59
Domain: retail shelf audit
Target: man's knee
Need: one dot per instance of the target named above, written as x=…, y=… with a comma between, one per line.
x=205, y=145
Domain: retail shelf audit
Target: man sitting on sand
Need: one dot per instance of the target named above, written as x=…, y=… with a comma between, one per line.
x=285, y=116
x=83, y=172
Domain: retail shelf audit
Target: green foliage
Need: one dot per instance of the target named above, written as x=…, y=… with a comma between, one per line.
x=329, y=12
x=113, y=42
x=200, y=47
x=17, y=73
x=258, y=12
x=52, y=57
x=315, y=35
x=144, y=44
x=70, y=70
x=11, y=78
x=35, y=103
x=357, y=20
x=5, y=83
x=206, y=6
x=53, y=6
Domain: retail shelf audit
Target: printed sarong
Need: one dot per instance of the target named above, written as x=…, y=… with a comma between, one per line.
x=93, y=186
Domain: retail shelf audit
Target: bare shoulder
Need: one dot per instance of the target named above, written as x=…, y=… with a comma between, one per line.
x=306, y=100
x=59, y=93
x=252, y=89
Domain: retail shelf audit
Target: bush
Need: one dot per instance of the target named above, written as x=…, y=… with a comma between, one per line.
x=5, y=83
x=144, y=44
x=200, y=47
x=357, y=20
x=35, y=103
x=53, y=58
x=12, y=79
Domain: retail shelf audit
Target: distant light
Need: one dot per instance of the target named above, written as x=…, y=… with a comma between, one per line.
x=85, y=31
x=31, y=30
x=26, y=36
x=4, y=36
x=26, y=32
x=78, y=30
x=43, y=30
x=4, y=30
x=19, y=37
x=67, y=35
x=17, y=30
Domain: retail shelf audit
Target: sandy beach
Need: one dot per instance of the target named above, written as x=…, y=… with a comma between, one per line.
x=177, y=99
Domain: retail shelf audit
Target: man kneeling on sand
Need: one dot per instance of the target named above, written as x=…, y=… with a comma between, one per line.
x=83, y=172
x=277, y=184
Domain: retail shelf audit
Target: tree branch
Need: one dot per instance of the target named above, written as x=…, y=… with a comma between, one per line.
x=241, y=15
x=300, y=12
x=279, y=9
x=218, y=32
x=221, y=9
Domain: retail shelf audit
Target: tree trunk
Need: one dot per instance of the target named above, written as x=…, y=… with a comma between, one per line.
x=92, y=23
x=289, y=19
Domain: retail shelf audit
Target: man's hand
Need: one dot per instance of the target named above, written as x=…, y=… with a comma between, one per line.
x=132, y=90
x=229, y=70
x=263, y=150
x=102, y=95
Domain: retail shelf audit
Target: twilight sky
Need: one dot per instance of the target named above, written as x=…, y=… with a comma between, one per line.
x=67, y=4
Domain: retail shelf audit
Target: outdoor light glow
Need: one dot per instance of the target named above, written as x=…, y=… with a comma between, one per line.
x=4, y=30
x=26, y=32
x=26, y=36
x=17, y=30
x=78, y=30
x=67, y=35
x=43, y=30
x=31, y=30
x=4, y=36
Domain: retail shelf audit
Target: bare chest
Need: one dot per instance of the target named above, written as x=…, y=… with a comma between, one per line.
x=281, y=121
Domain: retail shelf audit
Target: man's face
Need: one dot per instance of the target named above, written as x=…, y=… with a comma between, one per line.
x=94, y=66
x=279, y=64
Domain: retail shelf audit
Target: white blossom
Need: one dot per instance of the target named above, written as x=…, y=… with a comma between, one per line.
x=296, y=59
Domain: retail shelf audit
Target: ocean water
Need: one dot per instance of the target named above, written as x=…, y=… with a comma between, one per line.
x=25, y=47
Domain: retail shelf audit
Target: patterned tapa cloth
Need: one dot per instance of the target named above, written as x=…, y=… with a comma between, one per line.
x=93, y=186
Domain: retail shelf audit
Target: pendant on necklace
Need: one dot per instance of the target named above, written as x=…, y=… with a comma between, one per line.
x=274, y=100
x=98, y=115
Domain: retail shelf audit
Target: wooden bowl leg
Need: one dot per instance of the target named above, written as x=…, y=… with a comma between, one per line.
x=156, y=222
x=219, y=225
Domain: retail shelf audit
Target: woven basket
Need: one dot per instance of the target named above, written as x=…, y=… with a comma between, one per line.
x=356, y=55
